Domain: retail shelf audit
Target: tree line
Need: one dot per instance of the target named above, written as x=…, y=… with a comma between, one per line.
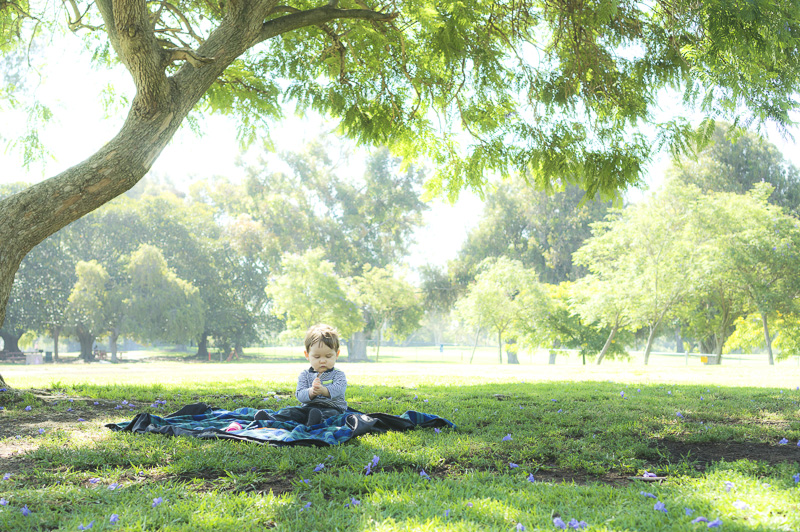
x=709, y=258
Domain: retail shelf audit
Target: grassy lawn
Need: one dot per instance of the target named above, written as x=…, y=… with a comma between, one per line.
x=535, y=446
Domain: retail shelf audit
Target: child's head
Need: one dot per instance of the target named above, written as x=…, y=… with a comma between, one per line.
x=322, y=347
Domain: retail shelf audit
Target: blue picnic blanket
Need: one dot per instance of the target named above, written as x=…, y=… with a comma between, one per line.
x=202, y=421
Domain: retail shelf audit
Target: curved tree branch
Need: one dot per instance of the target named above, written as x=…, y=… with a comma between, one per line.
x=317, y=16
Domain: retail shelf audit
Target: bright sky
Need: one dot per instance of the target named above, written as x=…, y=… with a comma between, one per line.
x=80, y=128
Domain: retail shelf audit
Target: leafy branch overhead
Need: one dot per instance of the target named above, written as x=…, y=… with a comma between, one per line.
x=565, y=92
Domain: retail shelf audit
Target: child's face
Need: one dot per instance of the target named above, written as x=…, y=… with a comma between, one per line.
x=322, y=357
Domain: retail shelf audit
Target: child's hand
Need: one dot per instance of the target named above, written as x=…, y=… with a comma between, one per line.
x=318, y=389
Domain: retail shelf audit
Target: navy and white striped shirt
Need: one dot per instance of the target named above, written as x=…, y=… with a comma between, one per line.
x=333, y=379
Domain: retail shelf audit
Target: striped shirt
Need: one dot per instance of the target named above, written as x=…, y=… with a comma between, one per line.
x=333, y=379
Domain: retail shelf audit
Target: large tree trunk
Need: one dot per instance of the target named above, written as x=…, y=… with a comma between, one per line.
x=511, y=352
x=767, y=339
x=357, y=347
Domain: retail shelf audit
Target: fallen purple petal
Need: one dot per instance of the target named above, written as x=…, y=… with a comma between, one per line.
x=7, y=476
x=740, y=505
x=94, y=480
x=716, y=523
x=25, y=511
x=424, y=475
x=28, y=408
x=86, y=527
x=660, y=507
x=729, y=485
x=512, y=465
x=577, y=525
x=3, y=502
x=113, y=486
x=157, y=501
x=700, y=519
x=114, y=518
x=559, y=523
x=648, y=474
x=648, y=494
x=520, y=526
x=319, y=468
x=796, y=477
x=688, y=511
x=530, y=478
x=507, y=437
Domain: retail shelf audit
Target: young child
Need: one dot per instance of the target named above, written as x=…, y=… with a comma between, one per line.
x=321, y=387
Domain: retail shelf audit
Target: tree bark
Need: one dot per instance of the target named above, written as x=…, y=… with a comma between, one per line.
x=202, y=347
x=475, y=345
x=112, y=341
x=86, y=340
x=500, y=345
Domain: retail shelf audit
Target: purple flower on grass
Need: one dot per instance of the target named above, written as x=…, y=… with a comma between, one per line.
x=306, y=480
x=577, y=525
x=740, y=505
x=729, y=485
x=469, y=504
x=94, y=480
x=7, y=476
x=113, y=486
x=688, y=511
x=507, y=437
x=114, y=518
x=559, y=523
x=157, y=501
x=512, y=465
x=660, y=507
x=648, y=494
x=559, y=411
x=319, y=468
x=86, y=527
x=3, y=502
x=354, y=501
x=95, y=404
x=783, y=441
x=424, y=475
x=81, y=419
x=41, y=431
x=679, y=415
x=622, y=394
x=648, y=474
x=28, y=408
x=447, y=513
x=437, y=430
x=69, y=410
x=1, y=409
x=307, y=505
x=554, y=400
x=530, y=478
x=796, y=477
x=25, y=511
x=716, y=523
x=520, y=526
x=700, y=519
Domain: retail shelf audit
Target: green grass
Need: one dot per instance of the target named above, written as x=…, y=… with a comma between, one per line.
x=579, y=432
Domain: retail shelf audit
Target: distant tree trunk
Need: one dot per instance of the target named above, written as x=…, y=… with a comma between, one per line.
x=86, y=340
x=649, y=346
x=500, y=345
x=552, y=354
x=202, y=347
x=357, y=347
x=511, y=352
x=678, y=340
x=475, y=345
x=378, y=343
x=607, y=345
x=55, y=332
x=112, y=341
x=10, y=341
x=767, y=339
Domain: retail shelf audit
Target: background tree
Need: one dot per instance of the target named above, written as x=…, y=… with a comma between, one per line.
x=498, y=298
x=159, y=304
x=734, y=161
x=578, y=111
x=439, y=295
x=86, y=312
x=308, y=292
x=540, y=229
x=391, y=303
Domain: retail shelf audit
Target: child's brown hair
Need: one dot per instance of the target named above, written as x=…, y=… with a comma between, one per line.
x=322, y=334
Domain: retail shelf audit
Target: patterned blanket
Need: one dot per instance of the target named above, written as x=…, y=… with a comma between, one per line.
x=202, y=421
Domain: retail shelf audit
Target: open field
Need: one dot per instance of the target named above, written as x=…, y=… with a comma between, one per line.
x=535, y=445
